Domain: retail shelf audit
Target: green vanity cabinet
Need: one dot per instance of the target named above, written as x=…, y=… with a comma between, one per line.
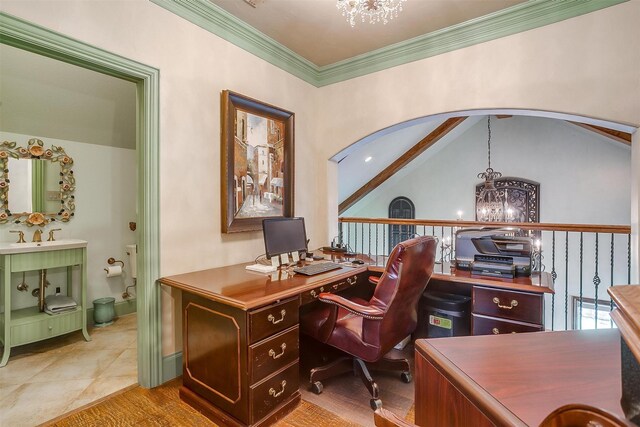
x=27, y=325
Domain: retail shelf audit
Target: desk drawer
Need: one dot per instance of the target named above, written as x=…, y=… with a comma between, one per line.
x=268, y=394
x=272, y=319
x=483, y=325
x=272, y=354
x=337, y=286
x=522, y=306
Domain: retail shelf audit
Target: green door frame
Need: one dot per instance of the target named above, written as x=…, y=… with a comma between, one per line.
x=34, y=38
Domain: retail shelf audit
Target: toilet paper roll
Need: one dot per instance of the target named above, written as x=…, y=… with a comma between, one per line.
x=114, y=271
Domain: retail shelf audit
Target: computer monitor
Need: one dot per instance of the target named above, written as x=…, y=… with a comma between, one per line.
x=284, y=235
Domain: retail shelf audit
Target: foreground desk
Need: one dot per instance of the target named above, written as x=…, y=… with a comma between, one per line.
x=627, y=318
x=515, y=380
x=240, y=333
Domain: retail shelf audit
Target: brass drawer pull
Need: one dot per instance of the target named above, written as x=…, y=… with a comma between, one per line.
x=273, y=354
x=273, y=320
x=337, y=285
x=351, y=281
x=514, y=303
x=495, y=331
x=274, y=393
x=315, y=294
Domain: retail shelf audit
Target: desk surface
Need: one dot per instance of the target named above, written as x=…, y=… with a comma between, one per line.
x=235, y=286
x=527, y=376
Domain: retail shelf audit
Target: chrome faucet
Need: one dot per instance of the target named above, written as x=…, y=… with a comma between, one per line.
x=37, y=236
x=51, y=238
x=20, y=235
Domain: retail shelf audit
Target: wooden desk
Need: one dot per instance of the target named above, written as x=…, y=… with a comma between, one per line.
x=240, y=339
x=515, y=380
x=240, y=334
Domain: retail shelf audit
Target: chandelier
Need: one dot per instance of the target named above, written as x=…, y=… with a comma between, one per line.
x=375, y=10
x=489, y=205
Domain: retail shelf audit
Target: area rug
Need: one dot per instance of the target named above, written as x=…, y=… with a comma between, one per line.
x=162, y=406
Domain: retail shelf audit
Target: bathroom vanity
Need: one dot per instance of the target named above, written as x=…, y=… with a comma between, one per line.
x=27, y=325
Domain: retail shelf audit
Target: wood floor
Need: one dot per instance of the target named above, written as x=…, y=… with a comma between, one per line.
x=344, y=402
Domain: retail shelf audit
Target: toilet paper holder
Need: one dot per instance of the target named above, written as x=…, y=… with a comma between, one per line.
x=112, y=261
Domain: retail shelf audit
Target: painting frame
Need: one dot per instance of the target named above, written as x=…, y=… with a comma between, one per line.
x=233, y=104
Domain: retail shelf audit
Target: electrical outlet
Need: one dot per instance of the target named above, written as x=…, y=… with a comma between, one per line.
x=57, y=290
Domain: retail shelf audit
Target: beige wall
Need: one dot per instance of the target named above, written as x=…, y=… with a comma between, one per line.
x=580, y=66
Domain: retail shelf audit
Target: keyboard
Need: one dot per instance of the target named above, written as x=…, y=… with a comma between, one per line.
x=313, y=269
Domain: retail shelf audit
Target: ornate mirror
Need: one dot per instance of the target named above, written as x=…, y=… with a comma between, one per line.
x=36, y=185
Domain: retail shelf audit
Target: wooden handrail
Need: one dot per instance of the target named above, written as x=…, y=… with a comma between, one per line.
x=587, y=228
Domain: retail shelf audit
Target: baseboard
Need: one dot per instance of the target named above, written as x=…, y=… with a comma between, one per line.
x=171, y=366
x=121, y=308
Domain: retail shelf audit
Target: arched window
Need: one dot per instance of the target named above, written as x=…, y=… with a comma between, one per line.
x=401, y=207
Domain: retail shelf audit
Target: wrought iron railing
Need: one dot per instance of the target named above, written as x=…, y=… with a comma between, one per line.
x=583, y=259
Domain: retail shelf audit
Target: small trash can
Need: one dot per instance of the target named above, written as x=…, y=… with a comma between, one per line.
x=443, y=315
x=103, y=311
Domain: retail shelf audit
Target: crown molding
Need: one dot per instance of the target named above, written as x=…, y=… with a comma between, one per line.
x=521, y=17
x=218, y=21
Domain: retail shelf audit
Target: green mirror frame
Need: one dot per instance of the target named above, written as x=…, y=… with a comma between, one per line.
x=36, y=150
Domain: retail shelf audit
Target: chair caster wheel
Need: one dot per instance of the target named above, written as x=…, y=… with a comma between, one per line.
x=317, y=387
x=375, y=404
x=406, y=377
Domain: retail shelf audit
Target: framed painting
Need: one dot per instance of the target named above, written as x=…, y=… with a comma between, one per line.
x=257, y=163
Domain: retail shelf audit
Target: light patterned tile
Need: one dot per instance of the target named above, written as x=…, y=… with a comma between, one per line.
x=34, y=403
x=80, y=364
x=20, y=370
x=125, y=365
x=100, y=388
x=108, y=339
x=7, y=390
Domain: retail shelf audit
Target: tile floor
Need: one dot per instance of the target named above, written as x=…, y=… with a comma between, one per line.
x=47, y=379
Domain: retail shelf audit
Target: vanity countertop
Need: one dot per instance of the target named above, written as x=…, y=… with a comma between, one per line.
x=19, y=248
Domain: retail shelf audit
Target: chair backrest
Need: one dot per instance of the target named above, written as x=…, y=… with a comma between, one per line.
x=405, y=278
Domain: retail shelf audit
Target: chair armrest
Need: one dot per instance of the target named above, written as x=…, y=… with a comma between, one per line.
x=371, y=313
x=374, y=280
x=384, y=418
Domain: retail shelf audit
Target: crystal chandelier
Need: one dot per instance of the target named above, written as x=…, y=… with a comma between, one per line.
x=489, y=206
x=375, y=10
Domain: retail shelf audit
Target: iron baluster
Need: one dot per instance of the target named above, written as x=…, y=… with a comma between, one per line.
x=554, y=275
x=581, y=264
x=377, y=227
x=611, y=283
x=384, y=243
x=349, y=234
x=566, y=280
x=629, y=258
x=596, y=282
x=369, y=240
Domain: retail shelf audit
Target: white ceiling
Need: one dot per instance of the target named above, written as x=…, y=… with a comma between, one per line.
x=317, y=31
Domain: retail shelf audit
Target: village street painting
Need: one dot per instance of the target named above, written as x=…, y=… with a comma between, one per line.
x=258, y=171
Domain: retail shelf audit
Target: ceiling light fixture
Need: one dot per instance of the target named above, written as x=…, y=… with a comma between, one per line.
x=375, y=10
x=490, y=205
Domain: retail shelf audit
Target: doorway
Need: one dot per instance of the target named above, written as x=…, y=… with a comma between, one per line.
x=30, y=37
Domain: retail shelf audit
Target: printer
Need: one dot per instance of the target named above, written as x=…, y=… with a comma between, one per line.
x=490, y=251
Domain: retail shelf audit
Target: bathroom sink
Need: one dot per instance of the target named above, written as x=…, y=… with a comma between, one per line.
x=18, y=248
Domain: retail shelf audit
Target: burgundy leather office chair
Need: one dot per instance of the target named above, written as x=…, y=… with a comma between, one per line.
x=368, y=330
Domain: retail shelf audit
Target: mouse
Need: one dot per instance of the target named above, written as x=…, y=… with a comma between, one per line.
x=357, y=261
